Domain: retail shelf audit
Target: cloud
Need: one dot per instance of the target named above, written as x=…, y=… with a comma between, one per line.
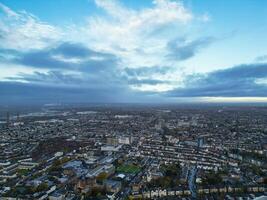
x=152, y=79
x=164, y=11
x=41, y=59
x=239, y=81
x=120, y=49
x=24, y=31
x=68, y=56
x=145, y=71
x=21, y=93
x=16, y=93
x=10, y=13
x=71, y=79
x=183, y=49
x=50, y=78
x=68, y=65
x=79, y=51
x=137, y=36
x=205, y=17
x=261, y=58
x=145, y=82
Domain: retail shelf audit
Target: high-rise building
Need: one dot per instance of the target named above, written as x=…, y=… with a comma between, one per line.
x=200, y=142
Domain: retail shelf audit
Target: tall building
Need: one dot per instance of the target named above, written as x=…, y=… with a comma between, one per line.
x=200, y=142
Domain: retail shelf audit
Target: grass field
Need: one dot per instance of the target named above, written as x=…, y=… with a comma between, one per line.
x=22, y=171
x=130, y=169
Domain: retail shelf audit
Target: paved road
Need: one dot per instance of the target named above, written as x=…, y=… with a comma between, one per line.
x=192, y=181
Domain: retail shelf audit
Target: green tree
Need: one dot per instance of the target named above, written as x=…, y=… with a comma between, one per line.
x=102, y=176
x=212, y=178
x=42, y=187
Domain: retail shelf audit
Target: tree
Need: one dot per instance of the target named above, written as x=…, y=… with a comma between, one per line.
x=97, y=192
x=42, y=187
x=212, y=178
x=102, y=176
x=173, y=170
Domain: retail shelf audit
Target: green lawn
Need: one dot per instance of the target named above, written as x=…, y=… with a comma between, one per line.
x=22, y=171
x=130, y=169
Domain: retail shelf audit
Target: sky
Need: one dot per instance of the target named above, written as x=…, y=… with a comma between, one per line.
x=112, y=51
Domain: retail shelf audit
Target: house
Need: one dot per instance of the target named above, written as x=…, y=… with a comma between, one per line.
x=56, y=196
x=112, y=186
x=108, y=169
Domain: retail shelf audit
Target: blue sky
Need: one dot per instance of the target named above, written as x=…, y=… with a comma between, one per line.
x=133, y=51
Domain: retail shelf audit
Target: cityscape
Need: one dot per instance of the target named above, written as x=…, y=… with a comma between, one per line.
x=133, y=99
x=135, y=152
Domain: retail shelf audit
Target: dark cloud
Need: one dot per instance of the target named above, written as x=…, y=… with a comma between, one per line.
x=261, y=58
x=73, y=50
x=79, y=51
x=20, y=92
x=66, y=56
x=16, y=93
x=55, y=86
x=181, y=49
x=97, y=80
x=97, y=77
x=41, y=59
x=8, y=51
x=146, y=71
x=50, y=78
x=141, y=75
x=145, y=81
x=238, y=81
